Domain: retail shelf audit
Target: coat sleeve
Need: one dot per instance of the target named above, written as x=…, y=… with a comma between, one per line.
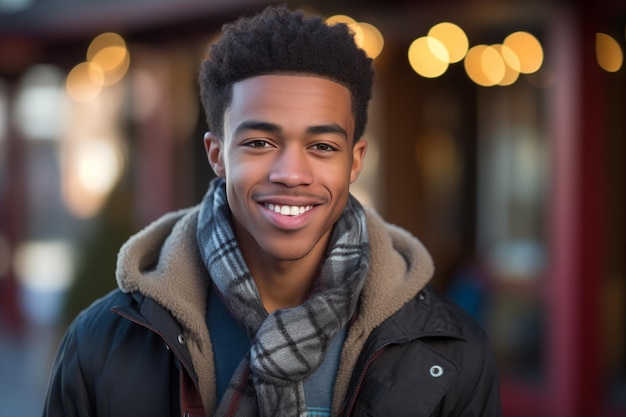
x=67, y=394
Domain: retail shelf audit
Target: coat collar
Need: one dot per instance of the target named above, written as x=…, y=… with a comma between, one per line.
x=427, y=315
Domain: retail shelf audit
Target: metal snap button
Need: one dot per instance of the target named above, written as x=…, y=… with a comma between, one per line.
x=436, y=371
x=181, y=339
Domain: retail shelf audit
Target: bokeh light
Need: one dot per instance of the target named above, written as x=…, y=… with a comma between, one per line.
x=493, y=65
x=366, y=35
x=340, y=18
x=453, y=38
x=38, y=106
x=528, y=50
x=103, y=41
x=99, y=165
x=474, y=66
x=512, y=65
x=114, y=62
x=94, y=165
x=428, y=57
x=608, y=53
x=373, y=41
x=84, y=82
x=44, y=265
x=107, y=63
x=351, y=23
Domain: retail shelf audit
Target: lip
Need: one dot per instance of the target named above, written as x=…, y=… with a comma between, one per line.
x=300, y=200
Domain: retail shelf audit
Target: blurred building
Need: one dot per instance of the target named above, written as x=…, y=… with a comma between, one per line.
x=506, y=160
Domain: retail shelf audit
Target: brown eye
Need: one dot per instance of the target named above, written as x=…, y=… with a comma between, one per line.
x=257, y=143
x=324, y=147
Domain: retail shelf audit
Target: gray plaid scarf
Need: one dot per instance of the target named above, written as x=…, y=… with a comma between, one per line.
x=288, y=344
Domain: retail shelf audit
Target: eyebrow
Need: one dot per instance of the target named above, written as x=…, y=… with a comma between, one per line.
x=329, y=128
x=274, y=128
x=257, y=125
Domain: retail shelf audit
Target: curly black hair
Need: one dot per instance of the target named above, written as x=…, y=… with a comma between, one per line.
x=280, y=41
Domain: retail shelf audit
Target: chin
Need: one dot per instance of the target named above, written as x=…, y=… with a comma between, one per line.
x=288, y=252
x=288, y=256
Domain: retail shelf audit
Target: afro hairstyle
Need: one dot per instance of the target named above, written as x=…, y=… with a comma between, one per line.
x=280, y=41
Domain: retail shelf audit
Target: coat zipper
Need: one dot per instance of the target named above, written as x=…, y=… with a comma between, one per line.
x=154, y=330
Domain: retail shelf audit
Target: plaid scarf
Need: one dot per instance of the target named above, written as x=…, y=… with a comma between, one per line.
x=288, y=344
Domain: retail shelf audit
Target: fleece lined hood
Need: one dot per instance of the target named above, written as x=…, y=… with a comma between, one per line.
x=163, y=262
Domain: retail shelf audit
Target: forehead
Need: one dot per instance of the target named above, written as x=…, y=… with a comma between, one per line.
x=285, y=97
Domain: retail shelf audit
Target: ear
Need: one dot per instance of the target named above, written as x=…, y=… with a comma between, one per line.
x=358, y=157
x=213, y=147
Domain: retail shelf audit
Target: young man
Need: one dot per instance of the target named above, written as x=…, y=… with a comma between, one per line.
x=278, y=295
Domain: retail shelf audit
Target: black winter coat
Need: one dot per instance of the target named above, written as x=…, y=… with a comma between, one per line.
x=126, y=356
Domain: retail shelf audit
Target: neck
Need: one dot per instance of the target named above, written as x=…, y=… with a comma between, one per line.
x=281, y=282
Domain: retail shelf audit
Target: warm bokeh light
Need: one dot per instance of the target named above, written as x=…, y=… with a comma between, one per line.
x=511, y=61
x=510, y=57
x=92, y=168
x=98, y=165
x=351, y=23
x=453, y=38
x=438, y=49
x=108, y=50
x=107, y=62
x=373, y=40
x=608, y=53
x=114, y=62
x=340, y=18
x=499, y=64
x=493, y=65
x=428, y=57
x=366, y=35
x=528, y=50
x=84, y=82
x=102, y=41
x=474, y=66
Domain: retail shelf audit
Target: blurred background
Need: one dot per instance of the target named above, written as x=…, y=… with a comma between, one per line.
x=496, y=135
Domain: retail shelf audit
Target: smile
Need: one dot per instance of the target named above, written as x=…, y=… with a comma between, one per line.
x=288, y=210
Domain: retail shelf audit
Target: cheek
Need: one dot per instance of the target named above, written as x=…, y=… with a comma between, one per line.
x=237, y=163
x=242, y=175
x=240, y=184
x=338, y=185
x=338, y=176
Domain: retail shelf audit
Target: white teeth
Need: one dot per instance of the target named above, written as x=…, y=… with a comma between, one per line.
x=288, y=210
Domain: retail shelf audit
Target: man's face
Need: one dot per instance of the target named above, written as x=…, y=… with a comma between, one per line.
x=288, y=160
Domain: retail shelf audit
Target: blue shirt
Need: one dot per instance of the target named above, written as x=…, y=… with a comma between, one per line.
x=231, y=344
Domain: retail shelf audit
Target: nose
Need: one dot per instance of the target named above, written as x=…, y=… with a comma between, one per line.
x=291, y=167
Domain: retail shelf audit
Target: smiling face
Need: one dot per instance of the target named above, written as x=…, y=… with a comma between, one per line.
x=288, y=159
